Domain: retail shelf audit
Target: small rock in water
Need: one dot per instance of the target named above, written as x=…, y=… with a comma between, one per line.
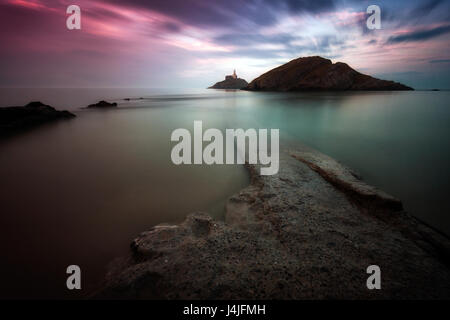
x=15, y=119
x=103, y=104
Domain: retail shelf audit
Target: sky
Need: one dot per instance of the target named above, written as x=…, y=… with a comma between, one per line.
x=195, y=43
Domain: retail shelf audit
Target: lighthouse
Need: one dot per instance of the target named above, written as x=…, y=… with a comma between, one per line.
x=232, y=76
x=231, y=82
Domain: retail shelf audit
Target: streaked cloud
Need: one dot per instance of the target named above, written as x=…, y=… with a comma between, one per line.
x=420, y=35
x=440, y=61
x=166, y=42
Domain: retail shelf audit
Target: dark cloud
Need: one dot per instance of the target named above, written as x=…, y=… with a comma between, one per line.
x=426, y=8
x=420, y=35
x=232, y=13
x=296, y=6
x=171, y=27
x=440, y=61
x=398, y=14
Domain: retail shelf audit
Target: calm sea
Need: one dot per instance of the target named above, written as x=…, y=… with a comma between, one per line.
x=77, y=192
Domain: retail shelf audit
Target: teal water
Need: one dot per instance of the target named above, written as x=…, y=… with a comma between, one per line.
x=77, y=192
x=397, y=141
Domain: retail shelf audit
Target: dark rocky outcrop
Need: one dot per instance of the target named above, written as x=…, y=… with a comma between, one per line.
x=131, y=99
x=230, y=82
x=15, y=119
x=103, y=104
x=309, y=232
x=317, y=73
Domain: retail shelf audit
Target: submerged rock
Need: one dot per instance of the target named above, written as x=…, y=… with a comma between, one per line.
x=317, y=73
x=309, y=232
x=103, y=104
x=14, y=119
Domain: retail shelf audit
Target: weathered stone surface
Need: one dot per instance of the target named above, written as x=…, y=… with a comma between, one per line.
x=16, y=119
x=294, y=235
x=317, y=73
x=347, y=181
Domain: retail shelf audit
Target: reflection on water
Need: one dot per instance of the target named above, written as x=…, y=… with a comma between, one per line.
x=76, y=192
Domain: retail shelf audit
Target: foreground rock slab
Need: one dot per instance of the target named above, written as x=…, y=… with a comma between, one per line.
x=309, y=232
x=16, y=119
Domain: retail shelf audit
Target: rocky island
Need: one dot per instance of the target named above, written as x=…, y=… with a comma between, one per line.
x=103, y=104
x=309, y=232
x=317, y=73
x=230, y=82
x=18, y=118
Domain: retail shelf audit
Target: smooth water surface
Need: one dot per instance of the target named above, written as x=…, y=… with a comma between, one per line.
x=78, y=191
